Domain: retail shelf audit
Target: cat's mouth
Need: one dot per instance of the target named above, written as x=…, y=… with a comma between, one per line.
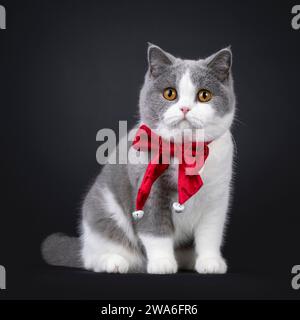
x=195, y=122
x=187, y=122
x=182, y=129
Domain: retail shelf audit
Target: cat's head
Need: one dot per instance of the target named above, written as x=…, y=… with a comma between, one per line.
x=188, y=94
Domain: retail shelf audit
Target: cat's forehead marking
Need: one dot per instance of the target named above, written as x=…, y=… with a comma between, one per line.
x=186, y=86
x=191, y=71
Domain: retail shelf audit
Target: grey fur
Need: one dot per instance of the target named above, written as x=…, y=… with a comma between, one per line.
x=213, y=73
x=59, y=249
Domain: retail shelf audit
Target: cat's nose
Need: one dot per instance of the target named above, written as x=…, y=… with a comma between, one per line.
x=185, y=110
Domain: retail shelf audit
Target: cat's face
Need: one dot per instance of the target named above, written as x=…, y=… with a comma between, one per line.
x=188, y=94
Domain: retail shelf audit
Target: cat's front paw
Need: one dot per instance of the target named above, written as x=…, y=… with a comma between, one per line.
x=112, y=263
x=211, y=265
x=162, y=266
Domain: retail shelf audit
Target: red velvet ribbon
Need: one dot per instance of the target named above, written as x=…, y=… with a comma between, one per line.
x=191, y=156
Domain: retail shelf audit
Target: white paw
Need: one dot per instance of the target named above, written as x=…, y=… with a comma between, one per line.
x=162, y=266
x=112, y=263
x=211, y=265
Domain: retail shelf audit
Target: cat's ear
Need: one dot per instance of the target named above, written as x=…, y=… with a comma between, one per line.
x=158, y=59
x=220, y=63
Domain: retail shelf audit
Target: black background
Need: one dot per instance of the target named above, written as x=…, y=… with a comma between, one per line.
x=70, y=68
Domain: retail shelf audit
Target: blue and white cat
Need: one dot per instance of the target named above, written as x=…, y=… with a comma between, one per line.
x=177, y=94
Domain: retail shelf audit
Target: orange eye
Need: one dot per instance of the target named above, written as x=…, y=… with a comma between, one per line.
x=204, y=95
x=170, y=94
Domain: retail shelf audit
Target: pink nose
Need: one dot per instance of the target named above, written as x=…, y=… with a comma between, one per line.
x=185, y=110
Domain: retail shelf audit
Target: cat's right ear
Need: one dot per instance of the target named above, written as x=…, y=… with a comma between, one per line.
x=158, y=60
x=220, y=63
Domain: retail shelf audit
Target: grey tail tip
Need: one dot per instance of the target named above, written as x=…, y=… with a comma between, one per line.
x=58, y=249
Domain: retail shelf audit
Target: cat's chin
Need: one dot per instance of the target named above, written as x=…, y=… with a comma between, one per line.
x=184, y=125
x=183, y=129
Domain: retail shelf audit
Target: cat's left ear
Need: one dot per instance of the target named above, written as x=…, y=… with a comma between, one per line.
x=158, y=60
x=221, y=63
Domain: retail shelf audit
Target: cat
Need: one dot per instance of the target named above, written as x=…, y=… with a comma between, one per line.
x=176, y=95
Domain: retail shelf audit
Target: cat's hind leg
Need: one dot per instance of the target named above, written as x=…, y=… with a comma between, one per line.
x=108, y=242
x=100, y=254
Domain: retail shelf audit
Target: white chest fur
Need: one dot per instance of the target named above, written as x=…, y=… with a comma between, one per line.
x=216, y=175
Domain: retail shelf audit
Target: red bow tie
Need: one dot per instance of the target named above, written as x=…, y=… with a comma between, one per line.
x=191, y=156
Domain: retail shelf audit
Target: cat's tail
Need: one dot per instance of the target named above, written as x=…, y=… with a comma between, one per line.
x=59, y=249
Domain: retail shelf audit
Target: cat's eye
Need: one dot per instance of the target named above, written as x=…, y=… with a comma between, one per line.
x=204, y=95
x=170, y=94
